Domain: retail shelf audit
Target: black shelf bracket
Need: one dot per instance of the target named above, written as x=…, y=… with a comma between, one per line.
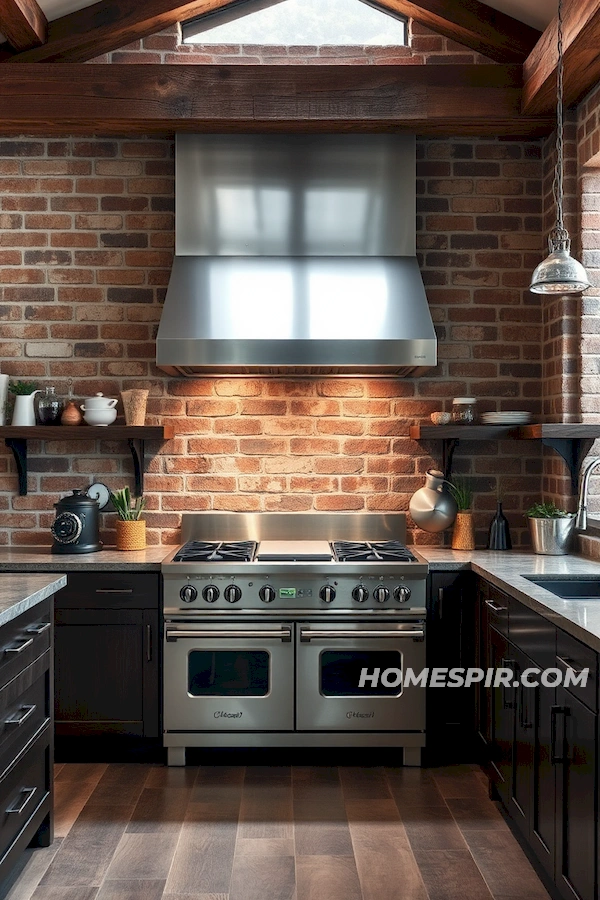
x=19, y=449
x=449, y=445
x=136, y=445
x=573, y=451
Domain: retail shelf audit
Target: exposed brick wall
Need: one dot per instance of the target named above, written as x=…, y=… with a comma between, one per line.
x=425, y=47
x=85, y=252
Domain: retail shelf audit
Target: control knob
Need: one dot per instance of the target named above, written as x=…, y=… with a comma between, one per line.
x=402, y=593
x=188, y=593
x=267, y=593
x=381, y=594
x=210, y=593
x=327, y=593
x=232, y=593
x=360, y=593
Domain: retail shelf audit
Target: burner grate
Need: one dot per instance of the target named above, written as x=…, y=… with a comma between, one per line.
x=216, y=551
x=372, y=551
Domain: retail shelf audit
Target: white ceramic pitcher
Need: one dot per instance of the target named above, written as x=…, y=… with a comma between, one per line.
x=24, y=411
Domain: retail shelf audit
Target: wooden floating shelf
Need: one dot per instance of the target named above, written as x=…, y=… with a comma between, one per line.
x=17, y=436
x=573, y=441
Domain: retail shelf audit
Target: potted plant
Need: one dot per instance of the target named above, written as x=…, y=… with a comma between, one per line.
x=551, y=528
x=131, y=529
x=463, y=536
x=24, y=392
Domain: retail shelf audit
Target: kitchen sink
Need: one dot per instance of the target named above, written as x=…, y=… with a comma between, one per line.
x=568, y=588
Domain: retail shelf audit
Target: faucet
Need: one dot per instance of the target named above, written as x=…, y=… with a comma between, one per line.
x=581, y=515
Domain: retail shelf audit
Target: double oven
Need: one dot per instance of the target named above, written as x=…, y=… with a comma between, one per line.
x=291, y=643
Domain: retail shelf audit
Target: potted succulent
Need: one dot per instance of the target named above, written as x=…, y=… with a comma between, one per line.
x=24, y=393
x=551, y=528
x=131, y=529
x=463, y=536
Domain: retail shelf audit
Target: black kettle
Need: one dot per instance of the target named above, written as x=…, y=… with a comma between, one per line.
x=76, y=528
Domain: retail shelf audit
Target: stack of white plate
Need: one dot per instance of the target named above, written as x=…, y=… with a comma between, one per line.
x=513, y=417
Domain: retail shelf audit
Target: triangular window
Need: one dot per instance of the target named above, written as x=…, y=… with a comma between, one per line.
x=298, y=23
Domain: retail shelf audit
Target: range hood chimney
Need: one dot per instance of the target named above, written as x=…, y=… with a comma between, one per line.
x=295, y=255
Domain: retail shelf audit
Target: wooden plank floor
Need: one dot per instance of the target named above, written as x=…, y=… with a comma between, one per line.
x=144, y=832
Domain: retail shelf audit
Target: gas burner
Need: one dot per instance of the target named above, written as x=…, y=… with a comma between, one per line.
x=371, y=551
x=216, y=551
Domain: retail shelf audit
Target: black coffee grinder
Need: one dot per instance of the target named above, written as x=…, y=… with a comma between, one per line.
x=76, y=528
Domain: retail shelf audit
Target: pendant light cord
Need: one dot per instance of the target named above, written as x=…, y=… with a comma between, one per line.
x=559, y=234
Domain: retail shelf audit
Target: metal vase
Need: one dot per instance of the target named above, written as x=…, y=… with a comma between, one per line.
x=551, y=537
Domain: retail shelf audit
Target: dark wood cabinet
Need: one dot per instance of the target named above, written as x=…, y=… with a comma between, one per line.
x=107, y=637
x=26, y=735
x=541, y=743
x=450, y=644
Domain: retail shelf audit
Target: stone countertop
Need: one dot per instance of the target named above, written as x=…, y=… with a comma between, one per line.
x=40, y=559
x=17, y=595
x=506, y=569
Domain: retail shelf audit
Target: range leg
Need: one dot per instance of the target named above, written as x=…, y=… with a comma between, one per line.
x=176, y=756
x=412, y=756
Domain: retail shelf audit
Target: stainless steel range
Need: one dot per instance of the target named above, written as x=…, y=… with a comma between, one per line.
x=278, y=628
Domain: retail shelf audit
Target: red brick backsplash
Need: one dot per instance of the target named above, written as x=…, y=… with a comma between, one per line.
x=87, y=242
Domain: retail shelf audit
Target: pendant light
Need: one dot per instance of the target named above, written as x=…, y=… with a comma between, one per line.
x=559, y=273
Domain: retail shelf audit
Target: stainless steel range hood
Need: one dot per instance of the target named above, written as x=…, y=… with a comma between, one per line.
x=295, y=254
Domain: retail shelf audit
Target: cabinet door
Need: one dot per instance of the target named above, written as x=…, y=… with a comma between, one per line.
x=519, y=804
x=103, y=659
x=502, y=723
x=450, y=644
x=575, y=751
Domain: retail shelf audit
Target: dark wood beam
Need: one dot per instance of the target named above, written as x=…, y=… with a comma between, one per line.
x=472, y=24
x=111, y=24
x=23, y=23
x=581, y=47
x=124, y=99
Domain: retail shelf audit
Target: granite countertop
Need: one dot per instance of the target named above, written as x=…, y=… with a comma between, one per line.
x=40, y=559
x=17, y=595
x=506, y=569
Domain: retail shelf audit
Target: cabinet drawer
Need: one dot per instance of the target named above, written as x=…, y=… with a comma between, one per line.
x=109, y=590
x=23, y=640
x=497, y=604
x=571, y=653
x=24, y=706
x=23, y=787
x=533, y=634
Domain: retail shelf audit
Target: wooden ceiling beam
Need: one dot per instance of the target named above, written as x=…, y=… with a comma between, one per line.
x=581, y=43
x=23, y=23
x=472, y=24
x=124, y=99
x=108, y=25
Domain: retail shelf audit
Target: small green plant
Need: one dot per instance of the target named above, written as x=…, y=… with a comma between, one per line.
x=22, y=387
x=461, y=490
x=121, y=500
x=547, y=510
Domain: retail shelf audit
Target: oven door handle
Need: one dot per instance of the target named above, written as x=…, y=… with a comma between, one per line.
x=282, y=634
x=307, y=634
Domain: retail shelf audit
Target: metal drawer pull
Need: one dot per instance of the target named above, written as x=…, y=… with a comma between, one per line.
x=554, y=712
x=20, y=648
x=148, y=643
x=306, y=636
x=38, y=629
x=28, y=711
x=114, y=590
x=19, y=809
x=567, y=663
x=494, y=606
x=283, y=635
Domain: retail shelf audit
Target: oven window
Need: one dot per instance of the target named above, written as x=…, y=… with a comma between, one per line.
x=341, y=673
x=228, y=673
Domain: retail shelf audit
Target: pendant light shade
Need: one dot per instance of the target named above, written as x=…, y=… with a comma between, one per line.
x=559, y=273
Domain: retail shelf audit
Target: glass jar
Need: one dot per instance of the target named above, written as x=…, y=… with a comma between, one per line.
x=464, y=410
x=49, y=407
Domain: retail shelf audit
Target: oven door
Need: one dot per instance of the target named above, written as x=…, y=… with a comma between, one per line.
x=228, y=676
x=331, y=659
